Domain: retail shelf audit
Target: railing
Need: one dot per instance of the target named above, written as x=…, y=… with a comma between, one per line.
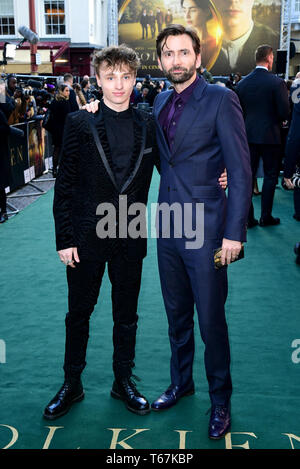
x=30, y=157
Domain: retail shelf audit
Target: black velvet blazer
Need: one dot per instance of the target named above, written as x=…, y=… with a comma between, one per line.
x=85, y=179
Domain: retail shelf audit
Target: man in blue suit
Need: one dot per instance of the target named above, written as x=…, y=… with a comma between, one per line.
x=200, y=131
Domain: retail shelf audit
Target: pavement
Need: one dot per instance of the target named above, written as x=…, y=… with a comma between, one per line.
x=26, y=195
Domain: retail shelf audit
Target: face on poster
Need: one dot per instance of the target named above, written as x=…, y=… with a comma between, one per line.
x=229, y=30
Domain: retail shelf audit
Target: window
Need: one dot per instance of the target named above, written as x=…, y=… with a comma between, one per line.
x=7, y=19
x=297, y=6
x=55, y=17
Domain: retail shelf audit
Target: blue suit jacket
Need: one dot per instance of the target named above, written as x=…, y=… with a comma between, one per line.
x=210, y=136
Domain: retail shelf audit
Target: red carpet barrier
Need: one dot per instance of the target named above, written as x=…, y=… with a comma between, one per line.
x=31, y=156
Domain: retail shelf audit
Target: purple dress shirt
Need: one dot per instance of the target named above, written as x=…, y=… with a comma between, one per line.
x=171, y=113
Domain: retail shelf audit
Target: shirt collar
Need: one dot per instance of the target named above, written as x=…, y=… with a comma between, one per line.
x=240, y=41
x=111, y=113
x=187, y=92
x=261, y=66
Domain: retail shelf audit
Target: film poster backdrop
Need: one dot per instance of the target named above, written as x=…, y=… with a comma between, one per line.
x=36, y=147
x=229, y=32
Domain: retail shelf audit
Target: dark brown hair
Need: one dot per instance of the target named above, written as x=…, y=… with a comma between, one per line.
x=203, y=4
x=177, y=30
x=116, y=56
x=262, y=53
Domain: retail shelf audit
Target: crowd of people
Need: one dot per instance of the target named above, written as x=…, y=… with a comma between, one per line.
x=25, y=102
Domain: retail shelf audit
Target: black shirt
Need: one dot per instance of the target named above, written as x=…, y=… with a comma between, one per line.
x=120, y=135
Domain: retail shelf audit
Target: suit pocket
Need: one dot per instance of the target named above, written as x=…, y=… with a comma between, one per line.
x=213, y=202
x=199, y=192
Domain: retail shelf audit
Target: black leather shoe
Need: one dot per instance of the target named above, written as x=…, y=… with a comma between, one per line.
x=3, y=217
x=270, y=221
x=297, y=252
x=125, y=390
x=252, y=223
x=170, y=397
x=219, y=423
x=63, y=400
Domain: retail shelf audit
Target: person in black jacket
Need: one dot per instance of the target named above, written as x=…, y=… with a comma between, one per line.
x=4, y=164
x=144, y=23
x=68, y=80
x=6, y=108
x=5, y=132
x=107, y=158
x=59, y=108
x=265, y=103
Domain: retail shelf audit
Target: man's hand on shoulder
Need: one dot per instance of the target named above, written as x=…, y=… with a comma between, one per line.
x=93, y=106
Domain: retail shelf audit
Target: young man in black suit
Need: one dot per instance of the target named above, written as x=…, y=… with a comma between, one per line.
x=107, y=157
x=264, y=99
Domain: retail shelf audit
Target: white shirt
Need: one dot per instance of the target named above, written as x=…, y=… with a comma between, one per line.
x=233, y=49
x=261, y=66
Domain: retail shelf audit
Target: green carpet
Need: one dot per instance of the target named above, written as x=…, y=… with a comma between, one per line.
x=263, y=319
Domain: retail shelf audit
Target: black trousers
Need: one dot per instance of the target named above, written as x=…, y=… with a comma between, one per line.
x=145, y=31
x=2, y=200
x=271, y=156
x=84, y=283
x=297, y=201
x=56, y=154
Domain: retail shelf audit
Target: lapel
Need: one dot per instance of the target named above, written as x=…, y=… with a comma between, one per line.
x=140, y=134
x=92, y=122
x=166, y=95
x=138, y=151
x=191, y=109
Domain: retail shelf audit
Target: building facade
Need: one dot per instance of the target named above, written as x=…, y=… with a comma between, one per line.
x=69, y=31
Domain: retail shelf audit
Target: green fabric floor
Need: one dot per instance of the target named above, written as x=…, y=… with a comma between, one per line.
x=263, y=318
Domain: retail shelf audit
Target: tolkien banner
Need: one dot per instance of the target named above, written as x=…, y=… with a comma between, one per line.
x=28, y=155
x=36, y=147
x=18, y=158
x=229, y=32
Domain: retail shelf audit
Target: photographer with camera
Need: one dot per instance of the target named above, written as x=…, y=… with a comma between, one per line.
x=17, y=116
x=59, y=109
x=30, y=109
